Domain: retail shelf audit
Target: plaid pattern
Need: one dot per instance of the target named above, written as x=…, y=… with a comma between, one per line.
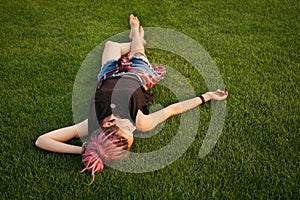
x=148, y=77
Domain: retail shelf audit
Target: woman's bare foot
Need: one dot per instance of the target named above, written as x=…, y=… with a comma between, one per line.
x=142, y=34
x=134, y=22
x=135, y=26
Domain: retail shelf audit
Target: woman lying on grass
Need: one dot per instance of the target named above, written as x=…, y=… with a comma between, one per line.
x=119, y=105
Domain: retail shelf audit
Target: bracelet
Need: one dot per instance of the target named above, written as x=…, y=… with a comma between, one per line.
x=202, y=99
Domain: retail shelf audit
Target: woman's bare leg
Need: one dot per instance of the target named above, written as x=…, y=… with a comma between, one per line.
x=114, y=50
x=141, y=30
x=137, y=33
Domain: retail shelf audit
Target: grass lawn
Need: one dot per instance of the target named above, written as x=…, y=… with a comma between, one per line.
x=255, y=45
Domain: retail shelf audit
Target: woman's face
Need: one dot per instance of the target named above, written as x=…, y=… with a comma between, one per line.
x=129, y=138
x=125, y=126
x=109, y=121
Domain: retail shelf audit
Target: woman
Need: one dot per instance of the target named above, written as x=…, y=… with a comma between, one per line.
x=119, y=105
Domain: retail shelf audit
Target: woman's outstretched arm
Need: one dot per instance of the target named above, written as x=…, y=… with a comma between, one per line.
x=148, y=122
x=55, y=140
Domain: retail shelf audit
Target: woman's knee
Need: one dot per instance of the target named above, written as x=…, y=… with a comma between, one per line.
x=112, y=51
x=111, y=44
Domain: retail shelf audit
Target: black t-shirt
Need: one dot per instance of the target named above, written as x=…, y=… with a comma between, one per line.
x=122, y=96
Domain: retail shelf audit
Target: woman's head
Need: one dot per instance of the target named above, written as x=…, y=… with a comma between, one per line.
x=125, y=126
x=104, y=147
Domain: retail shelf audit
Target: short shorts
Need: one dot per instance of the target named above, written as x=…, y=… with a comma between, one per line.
x=138, y=60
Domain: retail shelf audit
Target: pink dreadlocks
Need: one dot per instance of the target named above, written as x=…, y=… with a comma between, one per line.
x=104, y=147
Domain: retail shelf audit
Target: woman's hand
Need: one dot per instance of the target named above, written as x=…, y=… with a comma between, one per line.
x=217, y=95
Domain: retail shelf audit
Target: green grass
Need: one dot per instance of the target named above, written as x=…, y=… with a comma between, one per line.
x=255, y=45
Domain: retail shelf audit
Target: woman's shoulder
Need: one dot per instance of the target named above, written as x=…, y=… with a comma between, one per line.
x=142, y=121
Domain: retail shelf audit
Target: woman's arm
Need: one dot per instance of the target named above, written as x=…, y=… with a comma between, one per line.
x=54, y=140
x=148, y=122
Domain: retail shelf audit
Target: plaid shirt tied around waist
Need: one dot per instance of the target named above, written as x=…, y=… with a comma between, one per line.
x=148, y=76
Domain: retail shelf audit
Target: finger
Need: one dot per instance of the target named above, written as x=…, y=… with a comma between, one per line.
x=220, y=91
x=224, y=93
